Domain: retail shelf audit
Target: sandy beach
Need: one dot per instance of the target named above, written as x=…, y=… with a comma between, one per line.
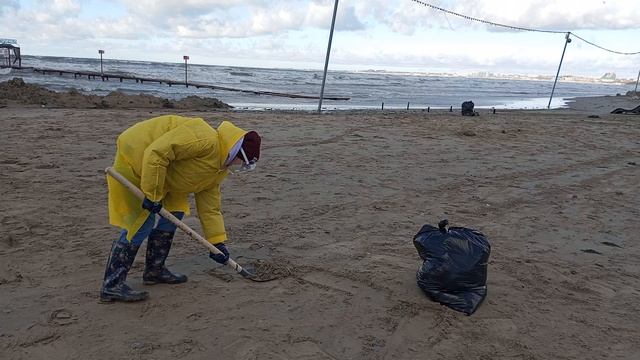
x=336, y=199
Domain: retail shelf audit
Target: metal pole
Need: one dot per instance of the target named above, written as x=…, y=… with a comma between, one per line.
x=326, y=61
x=185, y=57
x=636, y=89
x=101, y=52
x=567, y=40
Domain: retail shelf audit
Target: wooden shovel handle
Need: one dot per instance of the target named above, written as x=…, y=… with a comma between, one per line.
x=169, y=216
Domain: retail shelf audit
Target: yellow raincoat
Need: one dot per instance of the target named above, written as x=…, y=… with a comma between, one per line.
x=169, y=157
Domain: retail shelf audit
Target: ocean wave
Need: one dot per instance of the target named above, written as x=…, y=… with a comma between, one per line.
x=364, y=88
x=240, y=73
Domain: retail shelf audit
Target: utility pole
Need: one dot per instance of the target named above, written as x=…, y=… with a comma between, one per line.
x=326, y=61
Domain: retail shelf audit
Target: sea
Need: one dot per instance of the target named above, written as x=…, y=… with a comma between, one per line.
x=367, y=89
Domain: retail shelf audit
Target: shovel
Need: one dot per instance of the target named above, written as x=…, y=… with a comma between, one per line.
x=184, y=227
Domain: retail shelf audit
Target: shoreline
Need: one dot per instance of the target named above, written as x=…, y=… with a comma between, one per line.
x=603, y=104
x=16, y=92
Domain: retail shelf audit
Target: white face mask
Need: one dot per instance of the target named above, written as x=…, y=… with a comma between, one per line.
x=246, y=166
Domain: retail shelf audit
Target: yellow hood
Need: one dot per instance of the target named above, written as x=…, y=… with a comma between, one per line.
x=228, y=135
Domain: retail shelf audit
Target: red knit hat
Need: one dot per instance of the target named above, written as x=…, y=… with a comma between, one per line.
x=251, y=146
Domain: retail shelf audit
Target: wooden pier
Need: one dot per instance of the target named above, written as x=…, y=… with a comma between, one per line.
x=91, y=75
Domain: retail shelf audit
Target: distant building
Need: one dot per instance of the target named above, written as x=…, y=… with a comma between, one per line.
x=10, y=53
x=608, y=76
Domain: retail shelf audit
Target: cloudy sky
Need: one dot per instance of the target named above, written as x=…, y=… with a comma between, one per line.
x=370, y=34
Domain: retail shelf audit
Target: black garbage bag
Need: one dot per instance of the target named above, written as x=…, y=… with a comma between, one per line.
x=454, y=271
x=467, y=109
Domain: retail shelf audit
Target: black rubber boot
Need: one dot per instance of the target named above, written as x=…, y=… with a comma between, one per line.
x=114, y=286
x=158, y=247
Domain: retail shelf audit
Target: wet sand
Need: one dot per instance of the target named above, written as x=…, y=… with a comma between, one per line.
x=336, y=202
x=603, y=105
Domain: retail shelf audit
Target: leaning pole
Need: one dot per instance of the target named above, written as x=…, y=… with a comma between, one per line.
x=326, y=60
x=567, y=40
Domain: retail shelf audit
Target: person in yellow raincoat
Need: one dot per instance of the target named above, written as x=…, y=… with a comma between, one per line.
x=168, y=158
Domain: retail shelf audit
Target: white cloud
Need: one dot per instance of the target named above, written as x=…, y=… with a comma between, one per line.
x=555, y=15
x=9, y=3
x=7, y=8
x=170, y=8
x=48, y=23
x=127, y=28
x=237, y=19
x=210, y=19
x=63, y=7
x=6, y=4
x=564, y=15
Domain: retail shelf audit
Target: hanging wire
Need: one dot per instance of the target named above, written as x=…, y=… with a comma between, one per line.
x=487, y=22
x=522, y=28
x=605, y=49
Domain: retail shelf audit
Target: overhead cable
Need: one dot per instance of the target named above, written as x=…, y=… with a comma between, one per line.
x=470, y=18
x=486, y=21
x=605, y=49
